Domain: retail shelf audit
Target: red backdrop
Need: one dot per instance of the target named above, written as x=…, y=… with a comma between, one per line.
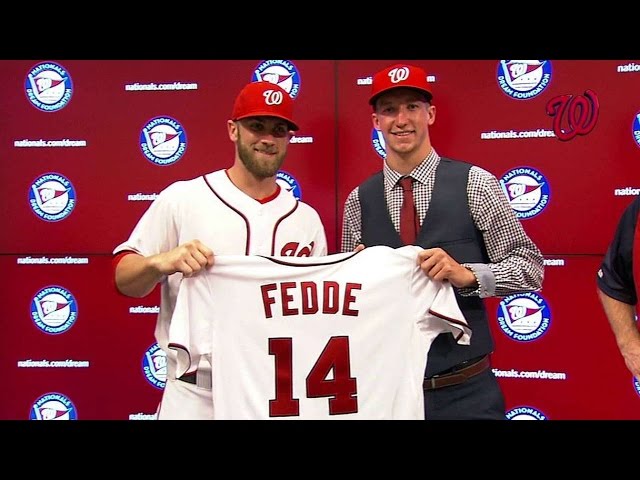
x=585, y=155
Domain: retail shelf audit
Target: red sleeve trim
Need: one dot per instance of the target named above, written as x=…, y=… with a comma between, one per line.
x=116, y=260
x=114, y=263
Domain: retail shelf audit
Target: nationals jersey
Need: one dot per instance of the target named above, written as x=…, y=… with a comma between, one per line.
x=213, y=210
x=344, y=336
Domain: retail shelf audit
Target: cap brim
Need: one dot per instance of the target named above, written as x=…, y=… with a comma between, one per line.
x=292, y=126
x=428, y=95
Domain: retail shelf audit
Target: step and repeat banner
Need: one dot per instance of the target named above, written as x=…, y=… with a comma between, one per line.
x=88, y=145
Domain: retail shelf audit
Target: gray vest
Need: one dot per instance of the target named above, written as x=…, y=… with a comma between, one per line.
x=448, y=225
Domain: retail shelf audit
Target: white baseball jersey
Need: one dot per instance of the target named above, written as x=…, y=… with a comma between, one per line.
x=344, y=336
x=213, y=210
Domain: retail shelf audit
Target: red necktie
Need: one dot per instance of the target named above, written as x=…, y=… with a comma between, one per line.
x=408, y=219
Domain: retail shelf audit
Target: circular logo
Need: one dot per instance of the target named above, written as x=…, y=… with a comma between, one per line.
x=525, y=413
x=635, y=128
x=288, y=183
x=154, y=366
x=527, y=191
x=163, y=141
x=52, y=197
x=281, y=72
x=377, y=140
x=524, y=317
x=48, y=87
x=524, y=79
x=53, y=406
x=54, y=310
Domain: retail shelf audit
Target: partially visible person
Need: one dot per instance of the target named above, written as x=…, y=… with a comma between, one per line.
x=240, y=210
x=469, y=233
x=617, y=285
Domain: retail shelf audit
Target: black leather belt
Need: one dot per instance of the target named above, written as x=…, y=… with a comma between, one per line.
x=455, y=376
x=458, y=374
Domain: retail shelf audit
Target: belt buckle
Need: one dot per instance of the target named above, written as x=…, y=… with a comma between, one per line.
x=432, y=380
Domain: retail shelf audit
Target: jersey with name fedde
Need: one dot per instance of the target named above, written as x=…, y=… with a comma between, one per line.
x=344, y=336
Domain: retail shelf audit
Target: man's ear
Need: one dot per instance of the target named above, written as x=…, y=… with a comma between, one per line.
x=232, y=129
x=374, y=120
x=432, y=115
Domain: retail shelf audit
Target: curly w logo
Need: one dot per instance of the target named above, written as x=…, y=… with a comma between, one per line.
x=272, y=97
x=573, y=115
x=399, y=74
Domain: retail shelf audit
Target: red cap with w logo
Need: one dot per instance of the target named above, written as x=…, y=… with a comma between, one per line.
x=264, y=99
x=399, y=75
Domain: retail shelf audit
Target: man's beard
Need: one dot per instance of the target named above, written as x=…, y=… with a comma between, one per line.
x=259, y=169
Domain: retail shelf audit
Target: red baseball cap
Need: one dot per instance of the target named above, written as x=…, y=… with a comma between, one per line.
x=264, y=99
x=399, y=75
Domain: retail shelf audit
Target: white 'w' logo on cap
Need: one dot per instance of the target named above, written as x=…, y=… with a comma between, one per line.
x=272, y=97
x=399, y=74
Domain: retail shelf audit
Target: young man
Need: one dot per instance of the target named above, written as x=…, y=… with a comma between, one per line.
x=459, y=215
x=617, y=281
x=240, y=210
